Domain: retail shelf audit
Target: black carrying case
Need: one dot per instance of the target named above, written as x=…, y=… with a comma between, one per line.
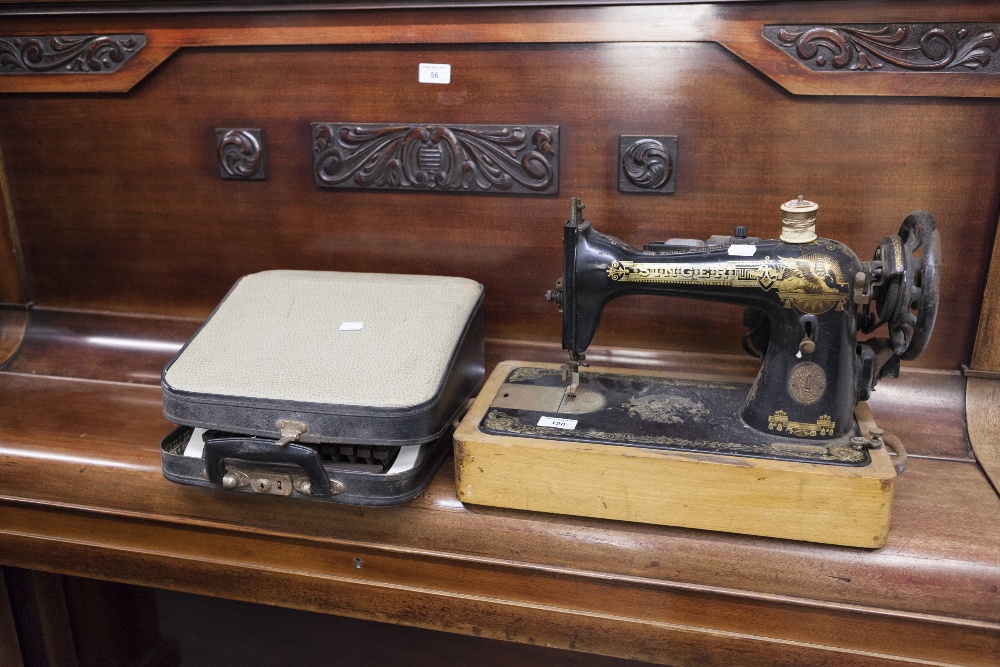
x=417, y=339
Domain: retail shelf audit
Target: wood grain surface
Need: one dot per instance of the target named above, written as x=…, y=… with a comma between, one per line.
x=11, y=267
x=89, y=481
x=96, y=447
x=986, y=352
x=983, y=401
x=120, y=206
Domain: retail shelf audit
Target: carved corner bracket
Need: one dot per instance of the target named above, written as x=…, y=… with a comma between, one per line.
x=647, y=163
x=894, y=47
x=241, y=154
x=67, y=54
x=466, y=158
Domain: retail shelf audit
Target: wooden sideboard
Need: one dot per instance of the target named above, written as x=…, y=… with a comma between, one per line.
x=121, y=228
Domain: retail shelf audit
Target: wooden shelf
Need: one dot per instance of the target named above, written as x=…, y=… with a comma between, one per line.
x=81, y=493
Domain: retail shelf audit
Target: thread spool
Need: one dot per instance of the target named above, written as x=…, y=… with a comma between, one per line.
x=798, y=221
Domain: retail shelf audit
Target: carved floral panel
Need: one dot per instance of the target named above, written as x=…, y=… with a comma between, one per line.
x=241, y=153
x=465, y=158
x=647, y=163
x=67, y=54
x=894, y=47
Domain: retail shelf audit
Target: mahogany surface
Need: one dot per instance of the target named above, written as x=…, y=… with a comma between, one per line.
x=85, y=471
x=11, y=289
x=129, y=238
x=120, y=208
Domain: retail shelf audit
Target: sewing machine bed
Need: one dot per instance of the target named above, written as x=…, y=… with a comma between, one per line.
x=682, y=414
x=503, y=458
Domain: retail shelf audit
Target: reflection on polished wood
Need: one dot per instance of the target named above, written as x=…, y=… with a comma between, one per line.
x=100, y=346
x=83, y=469
x=13, y=324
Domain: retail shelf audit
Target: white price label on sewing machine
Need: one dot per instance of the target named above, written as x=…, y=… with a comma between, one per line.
x=743, y=249
x=556, y=422
x=434, y=73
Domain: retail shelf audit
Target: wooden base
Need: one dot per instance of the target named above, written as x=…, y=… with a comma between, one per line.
x=830, y=504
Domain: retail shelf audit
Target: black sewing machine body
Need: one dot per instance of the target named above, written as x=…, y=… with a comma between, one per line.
x=805, y=301
x=804, y=290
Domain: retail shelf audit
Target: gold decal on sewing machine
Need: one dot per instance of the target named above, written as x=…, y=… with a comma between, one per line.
x=503, y=422
x=779, y=422
x=810, y=283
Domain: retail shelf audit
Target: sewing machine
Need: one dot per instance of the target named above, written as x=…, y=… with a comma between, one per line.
x=795, y=454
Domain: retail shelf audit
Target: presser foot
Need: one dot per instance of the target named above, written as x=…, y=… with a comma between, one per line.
x=571, y=372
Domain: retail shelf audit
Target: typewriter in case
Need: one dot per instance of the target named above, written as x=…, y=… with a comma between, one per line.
x=325, y=385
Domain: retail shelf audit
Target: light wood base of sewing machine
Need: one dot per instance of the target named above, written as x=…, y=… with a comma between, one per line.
x=831, y=504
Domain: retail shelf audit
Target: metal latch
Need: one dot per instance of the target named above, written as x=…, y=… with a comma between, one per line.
x=289, y=430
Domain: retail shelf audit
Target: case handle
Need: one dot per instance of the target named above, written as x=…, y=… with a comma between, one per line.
x=266, y=451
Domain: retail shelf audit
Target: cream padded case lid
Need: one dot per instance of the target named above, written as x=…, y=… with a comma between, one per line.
x=327, y=342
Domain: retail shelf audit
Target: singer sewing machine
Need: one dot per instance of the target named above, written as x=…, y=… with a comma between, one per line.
x=795, y=454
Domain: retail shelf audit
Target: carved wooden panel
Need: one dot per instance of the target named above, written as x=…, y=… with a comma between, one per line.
x=895, y=47
x=67, y=54
x=241, y=153
x=647, y=163
x=461, y=158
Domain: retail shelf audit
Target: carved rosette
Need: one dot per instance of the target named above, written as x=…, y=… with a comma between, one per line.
x=896, y=47
x=241, y=154
x=467, y=158
x=647, y=163
x=67, y=54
